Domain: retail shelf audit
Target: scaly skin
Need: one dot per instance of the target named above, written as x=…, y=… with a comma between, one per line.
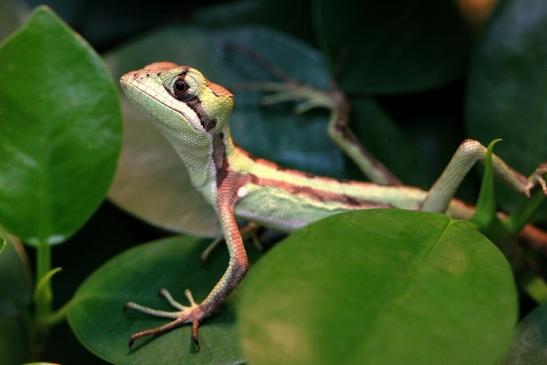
x=192, y=113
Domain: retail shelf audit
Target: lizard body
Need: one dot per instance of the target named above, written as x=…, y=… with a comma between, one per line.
x=192, y=113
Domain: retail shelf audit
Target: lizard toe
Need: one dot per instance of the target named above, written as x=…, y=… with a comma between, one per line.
x=192, y=314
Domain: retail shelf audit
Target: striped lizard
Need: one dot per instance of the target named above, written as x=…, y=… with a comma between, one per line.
x=192, y=113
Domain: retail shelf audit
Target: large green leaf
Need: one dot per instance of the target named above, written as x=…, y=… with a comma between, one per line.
x=59, y=130
x=15, y=296
x=530, y=344
x=392, y=46
x=98, y=321
x=379, y=287
x=508, y=86
x=152, y=183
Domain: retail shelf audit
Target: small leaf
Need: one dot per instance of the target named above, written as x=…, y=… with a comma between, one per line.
x=486, y=211
x=59, y=130
x=530, y=343
x=97, y=319
x=507, y=88
x=379, y=287
x=485, y=218
x=42, y=293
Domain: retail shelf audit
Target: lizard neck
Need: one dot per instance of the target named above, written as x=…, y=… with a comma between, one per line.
x=195, y=153
x=206, y=179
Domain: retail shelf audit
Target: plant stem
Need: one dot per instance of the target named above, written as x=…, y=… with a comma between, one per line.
x=58, y=316
x=43, y=266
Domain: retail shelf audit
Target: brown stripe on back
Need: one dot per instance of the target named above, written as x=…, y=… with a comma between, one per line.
x=317, y=194
x=299, y=173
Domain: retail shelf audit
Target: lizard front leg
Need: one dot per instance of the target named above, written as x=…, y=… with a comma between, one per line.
x=237, y=267
x=338, y=127
x=467, y=154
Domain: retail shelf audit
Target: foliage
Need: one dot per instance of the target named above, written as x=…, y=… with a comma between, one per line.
x=378, y=287
x=424, y=287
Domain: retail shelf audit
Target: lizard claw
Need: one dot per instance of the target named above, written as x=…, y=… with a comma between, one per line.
x=184, y=315
x=537, y=178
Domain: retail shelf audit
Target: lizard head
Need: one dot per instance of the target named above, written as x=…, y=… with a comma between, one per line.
x=179, y=99
x=189, y=110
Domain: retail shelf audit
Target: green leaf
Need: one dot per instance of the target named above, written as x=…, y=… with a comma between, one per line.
x=485, y=218
x=530, y=344
x=15, y=296
x=392, y=46
x=379, y=287
x=486, y=212
x=97, y=319
x=508, y=88
x=59, y=130
x=42, y=293
x=151, y=181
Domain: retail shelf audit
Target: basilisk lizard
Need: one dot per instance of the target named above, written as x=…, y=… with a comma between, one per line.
x=192, y=113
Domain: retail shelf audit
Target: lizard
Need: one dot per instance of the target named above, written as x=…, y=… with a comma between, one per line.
x=192, y=113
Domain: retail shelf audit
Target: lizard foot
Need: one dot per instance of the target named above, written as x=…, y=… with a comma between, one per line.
x=537, y=178
x=305, y=97
x=184, y=314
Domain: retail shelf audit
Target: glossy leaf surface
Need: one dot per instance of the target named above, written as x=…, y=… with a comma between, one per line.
x=97, y=319
x=379, y=287
x=59, y=130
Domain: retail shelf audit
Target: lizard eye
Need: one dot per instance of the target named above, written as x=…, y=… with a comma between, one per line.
x=181, y=91
x=180, y=87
